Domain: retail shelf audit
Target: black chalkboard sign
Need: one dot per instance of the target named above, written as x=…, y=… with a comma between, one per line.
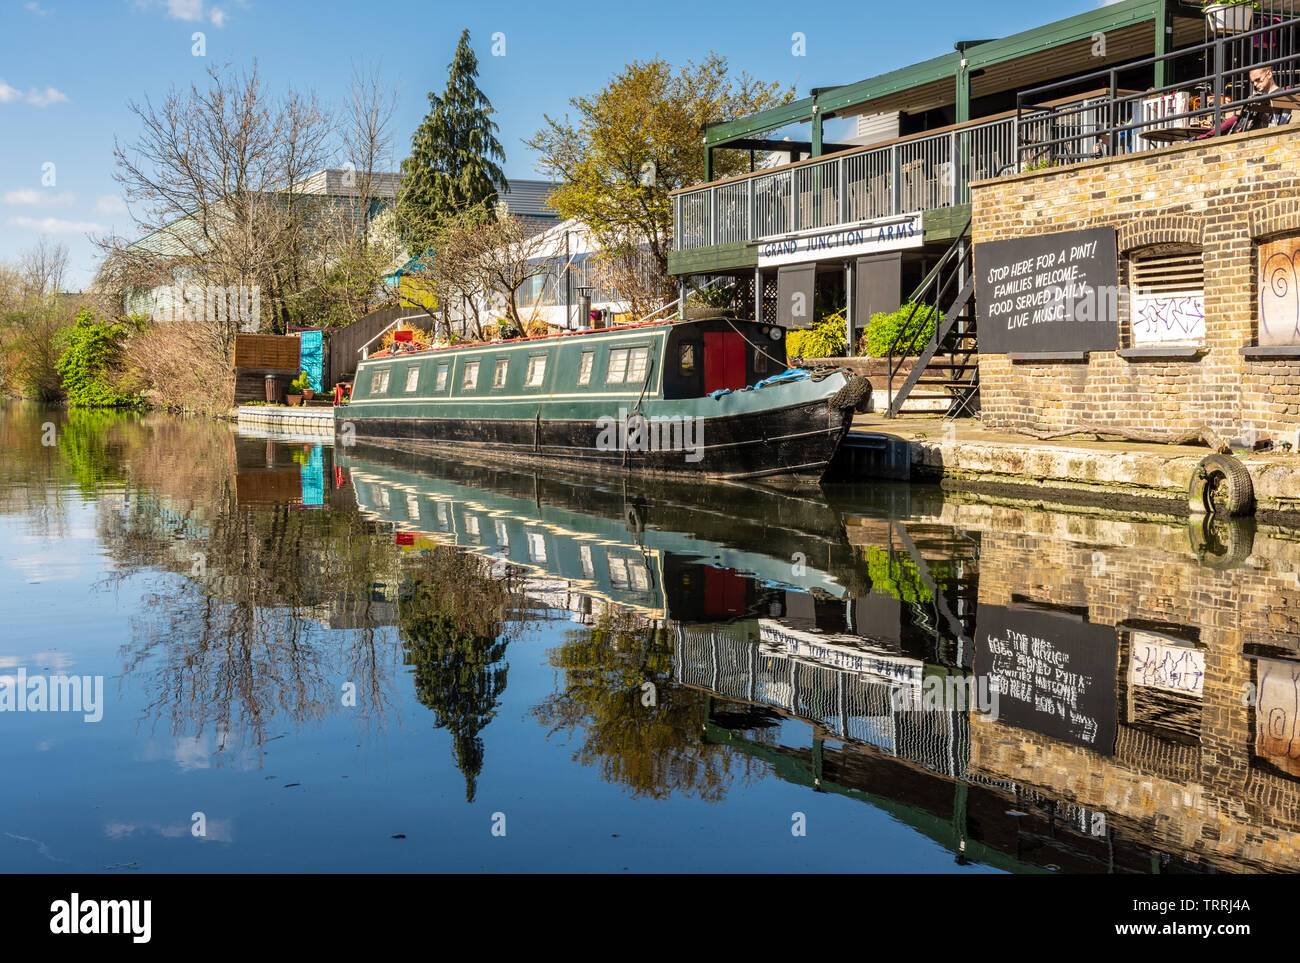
x=1055, y=674
x=1048, y=293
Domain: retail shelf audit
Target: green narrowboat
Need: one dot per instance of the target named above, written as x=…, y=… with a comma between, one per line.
x=698, y=398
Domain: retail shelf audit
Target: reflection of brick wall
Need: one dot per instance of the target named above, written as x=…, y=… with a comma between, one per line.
x=1222, y=196
x=1208, y=799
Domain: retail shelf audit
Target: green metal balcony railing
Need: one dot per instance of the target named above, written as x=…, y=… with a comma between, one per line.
x=914, y=174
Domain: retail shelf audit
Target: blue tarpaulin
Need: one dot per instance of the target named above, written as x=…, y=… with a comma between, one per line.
x=312, y=359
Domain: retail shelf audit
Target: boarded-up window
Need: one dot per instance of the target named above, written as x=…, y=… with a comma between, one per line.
x=1168, y=299
x=1279, y=291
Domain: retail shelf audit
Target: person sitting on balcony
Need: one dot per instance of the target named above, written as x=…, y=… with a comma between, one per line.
x=1262, y=113
x=1258, y=114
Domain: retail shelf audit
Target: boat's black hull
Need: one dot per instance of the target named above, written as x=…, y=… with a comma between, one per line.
x=799, y=439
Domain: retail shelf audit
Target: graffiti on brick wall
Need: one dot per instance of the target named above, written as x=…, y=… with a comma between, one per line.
x=1277, y=716
x=1168, y=319
x=1279, y=293
x=1159, y=665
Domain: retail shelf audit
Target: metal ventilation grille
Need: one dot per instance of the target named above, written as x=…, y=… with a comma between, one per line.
x=1169, y=274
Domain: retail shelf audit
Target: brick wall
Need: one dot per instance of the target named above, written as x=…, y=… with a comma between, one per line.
x=1222, y=195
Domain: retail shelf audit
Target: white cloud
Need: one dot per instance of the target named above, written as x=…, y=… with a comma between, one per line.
x=54, y=225
x=37, y=98
x=110, y=204
x=192, y=11
x=185, y=9
x=31, y=197
x=38, y=10
x=43, y=98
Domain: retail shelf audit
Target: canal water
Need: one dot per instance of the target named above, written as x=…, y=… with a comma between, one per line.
x=290, y=657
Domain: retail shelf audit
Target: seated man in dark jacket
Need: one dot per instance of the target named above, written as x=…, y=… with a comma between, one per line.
x=1256, y=115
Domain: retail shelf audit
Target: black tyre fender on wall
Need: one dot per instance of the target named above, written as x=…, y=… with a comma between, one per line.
x=1221, y=485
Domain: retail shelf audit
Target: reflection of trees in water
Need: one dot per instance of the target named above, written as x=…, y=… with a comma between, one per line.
x=229, y=650
x=653, y=750
x=455, y=634
x=40, y=481
x=241, y=639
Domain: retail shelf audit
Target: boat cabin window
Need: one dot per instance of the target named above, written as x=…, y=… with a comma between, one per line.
x=637, y=362
x=440, y=384
x=584, y=367
x=686, y=358
x=470, y=380
x=627, y=364
x=379, y=381
x=499, y=375
x=412, y=377
x=617, y=367
x=536, y=371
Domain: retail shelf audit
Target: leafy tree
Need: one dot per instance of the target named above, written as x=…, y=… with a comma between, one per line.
x=636, y=141
x=87, y=364
x=455, y=156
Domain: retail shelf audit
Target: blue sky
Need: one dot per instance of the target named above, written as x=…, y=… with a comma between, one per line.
x=68, y=69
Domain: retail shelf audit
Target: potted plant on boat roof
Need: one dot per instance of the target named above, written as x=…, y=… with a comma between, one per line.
x=1230, y=17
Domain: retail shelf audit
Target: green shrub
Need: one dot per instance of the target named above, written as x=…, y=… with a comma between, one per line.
x=825, y=339
x=883, y=329
x=88, y=363
x=299, y=384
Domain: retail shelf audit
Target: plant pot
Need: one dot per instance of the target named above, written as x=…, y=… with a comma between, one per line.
x=1230, y=17
x=293, y=401
x=308, y=394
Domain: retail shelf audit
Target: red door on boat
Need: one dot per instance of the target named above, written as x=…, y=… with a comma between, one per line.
x=724, y=360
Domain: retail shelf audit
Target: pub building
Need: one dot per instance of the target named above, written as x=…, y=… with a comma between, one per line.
x=1137, y=156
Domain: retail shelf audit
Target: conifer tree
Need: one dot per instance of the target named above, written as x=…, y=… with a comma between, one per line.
x=455, y=156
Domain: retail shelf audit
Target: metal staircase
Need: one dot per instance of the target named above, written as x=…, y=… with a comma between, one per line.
x=945, y=367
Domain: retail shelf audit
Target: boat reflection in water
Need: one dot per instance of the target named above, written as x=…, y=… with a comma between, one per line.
x=839, y=613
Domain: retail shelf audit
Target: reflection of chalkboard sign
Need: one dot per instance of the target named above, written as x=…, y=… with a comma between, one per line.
x=1055, y=674
x=1048, y=293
